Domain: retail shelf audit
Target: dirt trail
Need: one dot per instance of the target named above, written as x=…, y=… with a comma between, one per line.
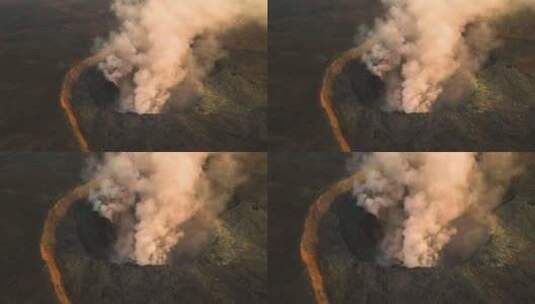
x=48, y=238
x=309, y=240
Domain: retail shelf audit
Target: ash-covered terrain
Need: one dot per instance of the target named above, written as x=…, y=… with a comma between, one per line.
x=231, y=267
x=229, y=114
x=493, y=115
x=497, y=269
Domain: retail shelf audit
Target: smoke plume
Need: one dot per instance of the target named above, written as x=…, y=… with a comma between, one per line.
x=151, y=198
x=162, y=45
x=419, y=196
x=426, y=49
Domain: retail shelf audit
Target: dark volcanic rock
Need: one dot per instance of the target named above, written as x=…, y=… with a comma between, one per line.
x=360, y=230
x=95, y=232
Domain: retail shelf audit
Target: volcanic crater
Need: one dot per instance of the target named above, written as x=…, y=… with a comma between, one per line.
x=228, y=267
x=495, y=114
x=362, y=232
x=348, y=254
x=228, y=115
x=98, y=236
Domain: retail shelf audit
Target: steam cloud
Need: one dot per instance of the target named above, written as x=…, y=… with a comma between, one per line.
x=165, y=44
x=418, y=197
x=150, y=197
x=425, y=48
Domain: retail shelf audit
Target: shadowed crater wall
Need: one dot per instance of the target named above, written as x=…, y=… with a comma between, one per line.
x=368, y=88
x=97, y=234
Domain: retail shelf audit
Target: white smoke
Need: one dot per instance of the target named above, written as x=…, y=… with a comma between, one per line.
x=162, y=44
x=418, y=196
x=150, y=196
x=421, y=45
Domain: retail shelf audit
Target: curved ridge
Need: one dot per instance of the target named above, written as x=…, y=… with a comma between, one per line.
x=69, y=81
x=327, y=90
x=309, y=239
x=48, y=238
